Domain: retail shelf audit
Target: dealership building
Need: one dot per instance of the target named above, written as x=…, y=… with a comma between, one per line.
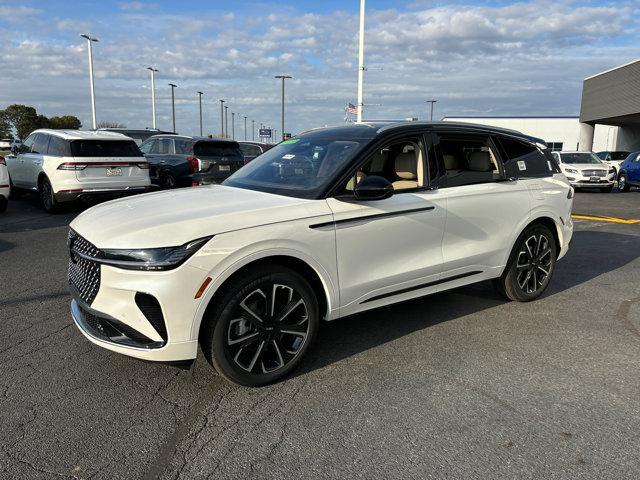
x=609, y=115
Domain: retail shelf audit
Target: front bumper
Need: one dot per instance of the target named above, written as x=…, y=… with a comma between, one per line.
x=582, y=181
x=96, y=333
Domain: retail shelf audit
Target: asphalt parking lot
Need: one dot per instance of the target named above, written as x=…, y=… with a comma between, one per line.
x=457, y=385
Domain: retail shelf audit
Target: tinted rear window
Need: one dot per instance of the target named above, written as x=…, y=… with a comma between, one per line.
x=217, y=149
x=105, y=148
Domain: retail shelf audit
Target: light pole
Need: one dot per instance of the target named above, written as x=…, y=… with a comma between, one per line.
x=253, y=130
x=222, y=118
x=200, y=101
x=153, y=96
x=233, y=126
x=91, y=39
x=431, y=102
x=360, y=64
x=173, y=105
x=283, y=77
x=245, y=127
x=226, y=121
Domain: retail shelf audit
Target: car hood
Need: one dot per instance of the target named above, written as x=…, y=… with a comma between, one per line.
x=171, y=218
x=586, y=166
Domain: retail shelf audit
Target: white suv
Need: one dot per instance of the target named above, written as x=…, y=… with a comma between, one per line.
x=586, y=170
x=330, y=223
x=4, y=185
x=65, y=165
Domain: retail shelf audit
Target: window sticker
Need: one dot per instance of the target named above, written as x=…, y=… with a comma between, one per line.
x=522, y=165
x=290, y=141
x=288, y=156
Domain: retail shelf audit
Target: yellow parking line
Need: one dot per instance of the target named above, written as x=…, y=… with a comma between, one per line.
x=606, y=219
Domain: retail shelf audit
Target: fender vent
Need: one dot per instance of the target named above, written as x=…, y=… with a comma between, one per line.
x=150, y=308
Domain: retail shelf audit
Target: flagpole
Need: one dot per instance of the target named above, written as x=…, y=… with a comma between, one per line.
x=360, y=63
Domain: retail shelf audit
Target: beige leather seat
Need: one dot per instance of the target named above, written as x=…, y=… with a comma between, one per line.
x=480, y=162
x=408, y=169
x=451, y=162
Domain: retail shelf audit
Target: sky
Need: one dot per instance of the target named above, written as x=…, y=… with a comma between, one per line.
x=476, y=57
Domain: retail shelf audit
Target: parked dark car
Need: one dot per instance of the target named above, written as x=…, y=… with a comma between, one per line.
x=251, y=150
x=181, y=161
x=629, y=172
x=139, y=135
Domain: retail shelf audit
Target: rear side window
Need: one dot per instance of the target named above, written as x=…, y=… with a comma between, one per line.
x=161, y=146
x=217, y=149
x=468, y=160
x=524, y=160
x=105, y=148
x=58, y=147
x=183, y=147
x=40, y=144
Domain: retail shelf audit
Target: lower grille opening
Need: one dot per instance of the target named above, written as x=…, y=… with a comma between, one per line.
x=150, y=308
x=112, y=330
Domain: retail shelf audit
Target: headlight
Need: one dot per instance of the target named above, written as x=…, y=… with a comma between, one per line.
x=165, y=258
x=612, y=170
x=571, y=170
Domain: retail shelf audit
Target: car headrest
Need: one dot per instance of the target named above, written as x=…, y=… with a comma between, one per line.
x=480, y=162
x=406, y=166
x=451, y=162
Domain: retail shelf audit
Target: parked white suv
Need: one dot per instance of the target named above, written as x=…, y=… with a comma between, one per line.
x=330, y=223
x=586, y=170
x=65, y=165
x=4, y=185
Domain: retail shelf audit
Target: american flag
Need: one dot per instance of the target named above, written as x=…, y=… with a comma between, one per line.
x=352, y=109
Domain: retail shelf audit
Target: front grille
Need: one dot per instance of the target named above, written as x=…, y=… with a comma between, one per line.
x=84, y=274
x=594, y=173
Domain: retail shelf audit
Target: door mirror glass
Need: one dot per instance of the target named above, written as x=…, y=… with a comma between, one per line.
x=373, y=188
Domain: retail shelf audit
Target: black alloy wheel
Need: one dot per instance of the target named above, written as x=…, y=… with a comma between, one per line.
x=168, y=181
x=46, y=195
x=623, y=186
x=530, y=266
x=262, y=326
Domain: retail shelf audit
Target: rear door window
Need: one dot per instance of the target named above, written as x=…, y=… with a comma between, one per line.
x=523, y=159
x=217, y=149
x=105, y=148
x=468, y=159
x=40, y=143
x=161, y=146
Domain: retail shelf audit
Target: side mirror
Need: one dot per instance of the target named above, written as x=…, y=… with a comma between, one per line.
x=373, y=188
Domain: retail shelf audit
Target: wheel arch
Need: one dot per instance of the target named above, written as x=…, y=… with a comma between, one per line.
x=319, y=283
x=551, y=224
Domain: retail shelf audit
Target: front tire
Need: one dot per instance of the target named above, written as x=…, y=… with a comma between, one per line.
x=623, y=186
x=261, y=326
x=530, y=265
x=49, y=202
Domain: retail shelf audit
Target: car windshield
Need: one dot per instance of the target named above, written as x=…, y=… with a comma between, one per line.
x=619, y=155
x=299, y=167
x=580, y=157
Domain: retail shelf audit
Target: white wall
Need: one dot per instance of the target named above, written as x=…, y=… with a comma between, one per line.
x=565, y=129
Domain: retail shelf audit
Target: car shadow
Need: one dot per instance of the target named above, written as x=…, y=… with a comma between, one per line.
x=26, y=213
x=592, y=253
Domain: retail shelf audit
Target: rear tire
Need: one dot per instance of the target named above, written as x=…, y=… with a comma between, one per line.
x=168, y=181
x=261, y=326
x=531, y=265
x=49, y=202
x=623, y=186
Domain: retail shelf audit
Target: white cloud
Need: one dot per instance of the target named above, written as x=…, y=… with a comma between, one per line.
x=524, y=58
